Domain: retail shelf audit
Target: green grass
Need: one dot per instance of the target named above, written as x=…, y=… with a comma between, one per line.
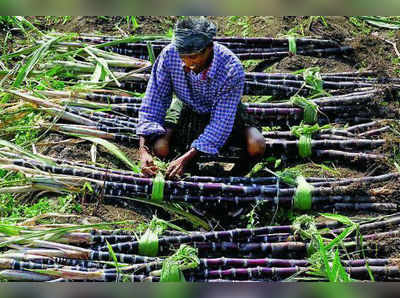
x=24, y=134
x=360, y=25
x=324, y=253
x=56, y=20
x=239, y=25
x=12, y=211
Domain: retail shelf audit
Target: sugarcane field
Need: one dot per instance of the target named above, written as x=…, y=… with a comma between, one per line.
x=199, y=149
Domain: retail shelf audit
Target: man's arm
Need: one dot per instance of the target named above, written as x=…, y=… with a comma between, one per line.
x=149, y=169
x=152, y=111
x=157, y=99
x=177, y=166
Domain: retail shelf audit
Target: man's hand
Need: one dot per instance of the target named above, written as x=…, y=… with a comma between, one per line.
x=176, y=167
x=149, y=169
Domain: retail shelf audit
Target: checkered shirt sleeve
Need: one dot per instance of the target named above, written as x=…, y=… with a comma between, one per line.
x=157, y=99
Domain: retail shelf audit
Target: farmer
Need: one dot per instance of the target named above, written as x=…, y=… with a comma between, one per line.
x=207, y=80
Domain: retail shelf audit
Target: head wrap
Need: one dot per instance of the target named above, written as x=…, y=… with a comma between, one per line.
x=192, y=35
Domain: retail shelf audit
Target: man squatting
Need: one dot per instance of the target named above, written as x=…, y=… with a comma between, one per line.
x=207, y=80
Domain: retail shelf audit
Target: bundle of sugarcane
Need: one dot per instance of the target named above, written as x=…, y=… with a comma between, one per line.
x=354, y=144
x=87, y=121
x=281, y=85
x=121, y=111
x=313, y=140
x=244, y=47
x=329, y=194
x=270, y=253
x=312, y=82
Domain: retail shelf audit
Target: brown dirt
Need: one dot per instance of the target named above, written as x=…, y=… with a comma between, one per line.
x=58, y=146
x=294, y=63
x=109, y=213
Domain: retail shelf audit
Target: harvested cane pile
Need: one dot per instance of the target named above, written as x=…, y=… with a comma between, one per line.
x=244, y=48
x=118, y=122
x=284, y=191
x=340, y=250
x=347, y=117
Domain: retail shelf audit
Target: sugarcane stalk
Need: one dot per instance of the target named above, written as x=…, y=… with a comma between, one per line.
x=273, y=273
x=25, y=276
x=321, y=144
x=375, y=132
x=377, y=207
x=305, y=52
x=363, y=126
x=374, y=225
x=349, y=155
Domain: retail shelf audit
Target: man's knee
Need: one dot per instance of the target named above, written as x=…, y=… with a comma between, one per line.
x=256, y=145
x=161, y=148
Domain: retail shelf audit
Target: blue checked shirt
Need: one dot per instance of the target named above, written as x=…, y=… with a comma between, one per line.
x=217, y=91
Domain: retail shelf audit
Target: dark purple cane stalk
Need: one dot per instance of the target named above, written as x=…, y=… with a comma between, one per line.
x=81, y=263
x=245, y=263
x=376, y=207
x=138, y=184
x=121, y=257
x=268, y=41
x=379, y=272
x=329, y=76
x=130, y=247
x=238, y=41
x=218, y=280
x=348, y=99
x=99, y=175
x=18, y=265
x=258, y=88
x=349, y=155
x=118, y=130
x=102, y=120
x=247, y=180
x=363, y=262
x=379, y=80
x=383, y=235
x=363, y=126
x=271, y=273
x=73, y=117
x=309, y=52
x=268, y=112
x=100, y=115
x=96, y=133
x=89, y=239
x=329, y=136
x=112, y=99
x=394, y=221
x=375, y=132
x=276, y=273
x=112, y=277
x=327, y=85
x=142, y=185
x=278, y=249
x=325, y=144
x=352, y=74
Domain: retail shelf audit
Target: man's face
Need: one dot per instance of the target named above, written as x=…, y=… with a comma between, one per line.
x=197, y=62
